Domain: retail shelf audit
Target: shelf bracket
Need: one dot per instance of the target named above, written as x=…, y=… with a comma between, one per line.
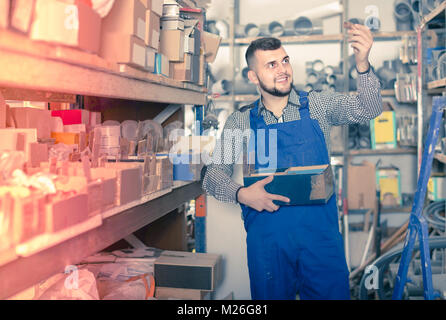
x=167, y=112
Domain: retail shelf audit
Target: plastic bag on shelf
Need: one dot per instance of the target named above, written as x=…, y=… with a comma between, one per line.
x=9, y=162
x=79, y=284
x=61, y=151
x=40, y=181
x=138, y=288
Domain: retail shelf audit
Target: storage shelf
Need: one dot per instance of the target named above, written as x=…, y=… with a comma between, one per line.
x=15, y=276
x=365, y=152
x=319, y=38
x=437, y=84
x=436, y=12
x=398, y=209
x=440, y=157
x=38, y=66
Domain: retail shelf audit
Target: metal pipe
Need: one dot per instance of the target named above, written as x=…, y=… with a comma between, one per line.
x=252, y=30
x=303, y=25
x=276, y=29
x=403, y=13
x=324, y=11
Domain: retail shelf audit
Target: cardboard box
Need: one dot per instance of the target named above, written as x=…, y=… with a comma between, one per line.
x=153, y=27
x=65, y=211
x=361, y=186
x=187, y=270
x=126, y=17
x=4, y=13
x=29, y=218
x=126, y=49
x=154, y=5
x=66, y=137
x=188, y=170
x=21, y=14
x=302, y=185
x=181, y=70
x=33, y=118
x=195, y=69
x=389, y=181
x=18, y=140
x=161, y=64
x=211, y=44
x=383, y=131
x=68, y=117
x=38, y=154
x=150, y=59
x=76, y=25
x=129, y=181
x=202, y=75
x=172, y=44
x=436, y=188
x=182, y=294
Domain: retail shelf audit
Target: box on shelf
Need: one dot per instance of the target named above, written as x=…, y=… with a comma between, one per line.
x=181, y=71
x=64, y=211
x=33, y=118
x=153, y=27
x=122, y=48
x=73, y=24
x=188, y=167
x=12, y=139
x=187, y=270
x=315, y=183
x=78, y=116
x=361, y=186
x=129, y=181
x=202, y=72
x=389, y=181
x=436, y=188
x=161, y=64
x=21, y=14
x=180, y=293
x=383, y=131
x=38, y=154
x=192, y=37
x=28, y=219
x=150, y=59
x=154, y=5
x=4, y=13
x=172, y=44
x=211, y=44
x=195, y=69
x=66, y=137
x=126, y=17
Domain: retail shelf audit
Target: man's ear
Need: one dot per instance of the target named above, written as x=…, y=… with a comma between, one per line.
x=252, y=76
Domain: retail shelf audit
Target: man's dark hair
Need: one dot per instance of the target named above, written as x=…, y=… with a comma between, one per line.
x=261, y=44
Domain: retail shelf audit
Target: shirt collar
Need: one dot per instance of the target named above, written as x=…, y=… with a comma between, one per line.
x=293, y=99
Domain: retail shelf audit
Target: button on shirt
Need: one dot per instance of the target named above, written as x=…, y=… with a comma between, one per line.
x=328, y=108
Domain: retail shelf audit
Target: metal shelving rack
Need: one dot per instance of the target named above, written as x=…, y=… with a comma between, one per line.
x=39, y=71
x=425, y=89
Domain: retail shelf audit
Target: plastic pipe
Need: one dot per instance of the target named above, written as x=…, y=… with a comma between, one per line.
x=303, y=25
x=403, y=14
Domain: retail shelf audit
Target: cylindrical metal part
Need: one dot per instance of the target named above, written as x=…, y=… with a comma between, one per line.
x=276, y=29
x=403, y=14
x=318, y=65
x=312, y=78
x=245, y=73
x=252, y=30
x=303, y=25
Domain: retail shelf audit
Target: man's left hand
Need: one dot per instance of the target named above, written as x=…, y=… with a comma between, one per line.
x=361, y=40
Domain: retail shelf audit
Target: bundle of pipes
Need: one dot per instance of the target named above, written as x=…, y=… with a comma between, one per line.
x=359, y=136
x=407, y=129
x=321, y=77
x=407, y=13
x=241, y=85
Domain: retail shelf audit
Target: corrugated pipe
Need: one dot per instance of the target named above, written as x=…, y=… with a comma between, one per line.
x=403, y=14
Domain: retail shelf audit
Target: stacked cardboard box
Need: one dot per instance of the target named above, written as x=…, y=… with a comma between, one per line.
x=164, y=170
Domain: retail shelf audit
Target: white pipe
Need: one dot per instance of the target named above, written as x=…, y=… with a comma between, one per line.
x=323, y=11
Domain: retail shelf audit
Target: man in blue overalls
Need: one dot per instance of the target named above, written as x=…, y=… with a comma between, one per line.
x=294, y=249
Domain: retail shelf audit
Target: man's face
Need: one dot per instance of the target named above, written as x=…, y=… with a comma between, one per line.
x=272, y=71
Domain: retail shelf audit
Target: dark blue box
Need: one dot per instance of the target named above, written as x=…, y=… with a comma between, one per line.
x=302, y=185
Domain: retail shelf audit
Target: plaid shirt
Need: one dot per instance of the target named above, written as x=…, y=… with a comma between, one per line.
x=328, y=108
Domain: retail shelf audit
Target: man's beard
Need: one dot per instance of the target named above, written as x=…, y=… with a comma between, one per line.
x=274, y=91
